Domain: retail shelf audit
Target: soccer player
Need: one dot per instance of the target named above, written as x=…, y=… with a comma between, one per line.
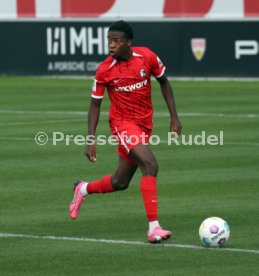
x=126, y=74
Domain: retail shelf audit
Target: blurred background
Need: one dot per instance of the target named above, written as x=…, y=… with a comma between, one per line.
x=194, y=38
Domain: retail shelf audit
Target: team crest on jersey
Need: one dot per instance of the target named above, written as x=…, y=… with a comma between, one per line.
x=143, y=73
x=198, y=46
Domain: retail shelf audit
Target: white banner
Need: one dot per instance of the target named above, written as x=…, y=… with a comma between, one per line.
x=133, y=9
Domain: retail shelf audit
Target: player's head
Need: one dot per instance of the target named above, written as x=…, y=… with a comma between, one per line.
x=120, y=35
x=124, y=27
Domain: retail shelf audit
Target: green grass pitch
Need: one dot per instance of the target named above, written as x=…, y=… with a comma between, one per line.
x=194, y=182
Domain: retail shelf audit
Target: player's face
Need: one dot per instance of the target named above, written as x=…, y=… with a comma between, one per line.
x=119, y=45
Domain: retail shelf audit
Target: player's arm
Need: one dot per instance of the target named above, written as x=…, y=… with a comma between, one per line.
x=93, y=119
x=167, y=91
x=94, y=114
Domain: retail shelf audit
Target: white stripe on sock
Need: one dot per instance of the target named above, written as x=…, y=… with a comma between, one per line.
x=153, y=225
x=83, y=189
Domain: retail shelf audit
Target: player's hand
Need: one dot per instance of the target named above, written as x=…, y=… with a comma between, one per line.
x=175, y=125
x=90, y=152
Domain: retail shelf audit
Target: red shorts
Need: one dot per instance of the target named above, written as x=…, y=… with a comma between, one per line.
x=129, y=136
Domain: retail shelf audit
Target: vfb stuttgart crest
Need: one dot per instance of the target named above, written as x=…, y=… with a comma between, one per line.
x=198, y=47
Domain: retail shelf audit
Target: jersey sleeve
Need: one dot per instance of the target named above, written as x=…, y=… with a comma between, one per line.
x=98, y=87
x=157, y=67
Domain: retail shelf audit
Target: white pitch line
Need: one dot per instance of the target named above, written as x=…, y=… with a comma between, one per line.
x=16, y=138
x=156, y=114
x=224, y=143
x=182, y=246
x=42, y=112
x=242, y=143
x=40, y=122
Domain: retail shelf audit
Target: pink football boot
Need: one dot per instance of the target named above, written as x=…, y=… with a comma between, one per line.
x=77, y=201
x=158, y=235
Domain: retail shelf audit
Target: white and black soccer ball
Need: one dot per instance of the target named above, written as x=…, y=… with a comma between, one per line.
x=214, y=232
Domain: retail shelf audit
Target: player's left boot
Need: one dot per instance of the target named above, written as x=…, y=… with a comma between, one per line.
x=77, y=201
x=158, y=234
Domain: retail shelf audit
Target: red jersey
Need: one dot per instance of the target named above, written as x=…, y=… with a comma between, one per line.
x=129, y=86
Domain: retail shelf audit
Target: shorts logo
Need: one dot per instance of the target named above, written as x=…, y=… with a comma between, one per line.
x=198, y=46
x=143, y=73
x=128, y=140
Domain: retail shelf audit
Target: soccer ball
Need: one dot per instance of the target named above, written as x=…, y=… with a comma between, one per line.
x=214, y=232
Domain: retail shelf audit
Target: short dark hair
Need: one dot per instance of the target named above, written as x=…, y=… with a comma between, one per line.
x=122, y=26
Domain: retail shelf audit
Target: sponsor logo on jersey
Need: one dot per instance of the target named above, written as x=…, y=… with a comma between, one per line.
x=198, y=46
x=132, y=87
x=117, y=80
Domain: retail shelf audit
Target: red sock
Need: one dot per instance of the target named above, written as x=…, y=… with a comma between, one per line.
x=103, y=185
x=149, y=195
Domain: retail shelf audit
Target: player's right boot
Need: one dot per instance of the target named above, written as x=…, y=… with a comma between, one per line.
x=158, y=234
x=77, y=201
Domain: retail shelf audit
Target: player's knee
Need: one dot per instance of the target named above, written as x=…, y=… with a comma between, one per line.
x=150, y=168
x=119, y=185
